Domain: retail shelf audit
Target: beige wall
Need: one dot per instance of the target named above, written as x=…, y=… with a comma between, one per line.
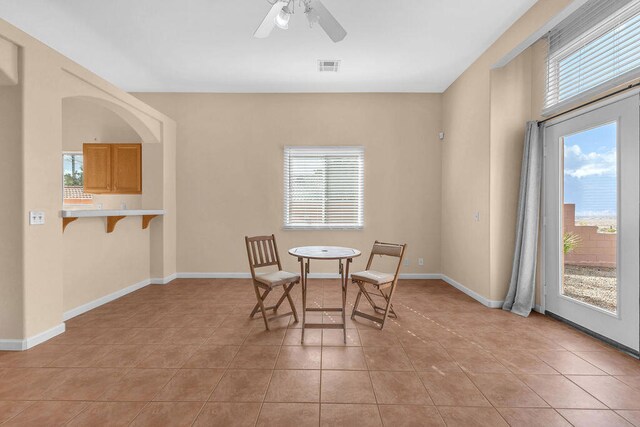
x=9, y=63
x=417, y=190
x=465, y=180
x=97, y=263
x=11, y=310
x=517, y=95
x=230, y=166
x=480, y=166
x=119, y=259
x=87, y=122
x=48, y=78
x=510, y=109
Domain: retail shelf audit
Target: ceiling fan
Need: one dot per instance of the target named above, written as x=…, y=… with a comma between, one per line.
x=316, y=12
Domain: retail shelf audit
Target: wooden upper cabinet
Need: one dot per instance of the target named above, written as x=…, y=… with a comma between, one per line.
x=127, y=168
x=112, y=168
x=97, y=168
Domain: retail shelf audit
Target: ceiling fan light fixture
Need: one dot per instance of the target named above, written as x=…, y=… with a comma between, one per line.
x=282, y=20
x=281, y=11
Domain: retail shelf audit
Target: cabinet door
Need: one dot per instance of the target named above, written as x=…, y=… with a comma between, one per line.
x=127, y=168
x=97, y=168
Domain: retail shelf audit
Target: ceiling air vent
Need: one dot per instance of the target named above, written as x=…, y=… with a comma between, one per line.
x=328, y=65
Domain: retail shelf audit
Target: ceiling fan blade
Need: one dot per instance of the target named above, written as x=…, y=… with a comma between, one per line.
x=269, y=21
x=317, y=12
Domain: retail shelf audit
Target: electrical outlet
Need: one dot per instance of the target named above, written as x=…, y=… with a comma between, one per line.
x=406, y=261
x=420, y=261
x=476, y=216
x=36, y=217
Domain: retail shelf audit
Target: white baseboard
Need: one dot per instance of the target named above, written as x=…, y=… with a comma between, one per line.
x=164, y=280
x=246, y=276
x=538, y=308
x=122, y=292
x=45, y=336
x=421, y=276
x=408, y=276
x=476, y=296
x=323, y=276
x=13, y=345
x=311, y=276
x=17, y=344
x=20, y=345
x=214, y=275
x=103, y=300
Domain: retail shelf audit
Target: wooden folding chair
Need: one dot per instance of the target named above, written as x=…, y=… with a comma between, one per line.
x=262, y=251
x=384, y=284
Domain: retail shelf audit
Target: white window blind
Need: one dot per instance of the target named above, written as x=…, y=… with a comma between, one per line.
x=594, y=49
x=323, y=187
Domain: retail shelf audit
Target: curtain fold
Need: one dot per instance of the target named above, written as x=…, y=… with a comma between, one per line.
x=521, y=294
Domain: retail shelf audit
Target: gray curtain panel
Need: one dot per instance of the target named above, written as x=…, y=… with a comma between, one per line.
x=521, y=294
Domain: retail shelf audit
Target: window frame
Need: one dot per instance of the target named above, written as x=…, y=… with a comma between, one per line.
x=359, y=191
x=65, y=201
x=555, y=59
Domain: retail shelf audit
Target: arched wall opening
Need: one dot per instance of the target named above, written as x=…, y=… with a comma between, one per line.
x=147, y=128
x=36, y=297
x=95, y=263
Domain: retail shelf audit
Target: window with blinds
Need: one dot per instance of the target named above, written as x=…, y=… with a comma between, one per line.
x=594, y=49
x=323, y=187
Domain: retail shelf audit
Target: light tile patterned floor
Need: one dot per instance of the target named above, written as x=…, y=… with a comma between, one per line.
x=187, y=354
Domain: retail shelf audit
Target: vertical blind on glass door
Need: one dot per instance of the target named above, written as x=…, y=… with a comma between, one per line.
x=323, y=187
x=596, y=48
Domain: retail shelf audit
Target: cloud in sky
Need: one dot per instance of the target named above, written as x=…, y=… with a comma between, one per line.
x=579, y=164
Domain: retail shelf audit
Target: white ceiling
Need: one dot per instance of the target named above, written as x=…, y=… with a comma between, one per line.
x=206, y=45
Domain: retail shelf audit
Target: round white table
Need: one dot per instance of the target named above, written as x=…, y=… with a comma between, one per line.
x=344, y=256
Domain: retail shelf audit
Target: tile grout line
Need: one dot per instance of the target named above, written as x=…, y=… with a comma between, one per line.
x=175, y=373
x=416, y=371
x=371, y=379
x=225, y=370
x=396, y=333
x=587, y=391
x=18, y=413
x=199, y=346
x=270, y=376
x=464, y=371
x=526, y=385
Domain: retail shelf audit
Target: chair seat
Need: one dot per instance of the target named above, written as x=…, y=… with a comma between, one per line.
x=277, y=278
x=373, y=277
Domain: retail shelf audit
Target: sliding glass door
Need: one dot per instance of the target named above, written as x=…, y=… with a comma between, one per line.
x=592, y=199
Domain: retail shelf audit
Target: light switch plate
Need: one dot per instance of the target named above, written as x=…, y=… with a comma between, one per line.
x=36, y=217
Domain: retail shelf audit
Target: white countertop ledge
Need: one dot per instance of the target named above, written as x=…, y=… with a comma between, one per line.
x=82, y=213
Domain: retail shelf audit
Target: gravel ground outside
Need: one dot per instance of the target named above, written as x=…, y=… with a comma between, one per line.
x=593, y=285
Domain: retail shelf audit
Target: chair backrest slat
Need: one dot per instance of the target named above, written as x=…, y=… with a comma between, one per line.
x=271, y=251
x=388, y=249
x=262, y=252
x=265, y=250
x=253, y=250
